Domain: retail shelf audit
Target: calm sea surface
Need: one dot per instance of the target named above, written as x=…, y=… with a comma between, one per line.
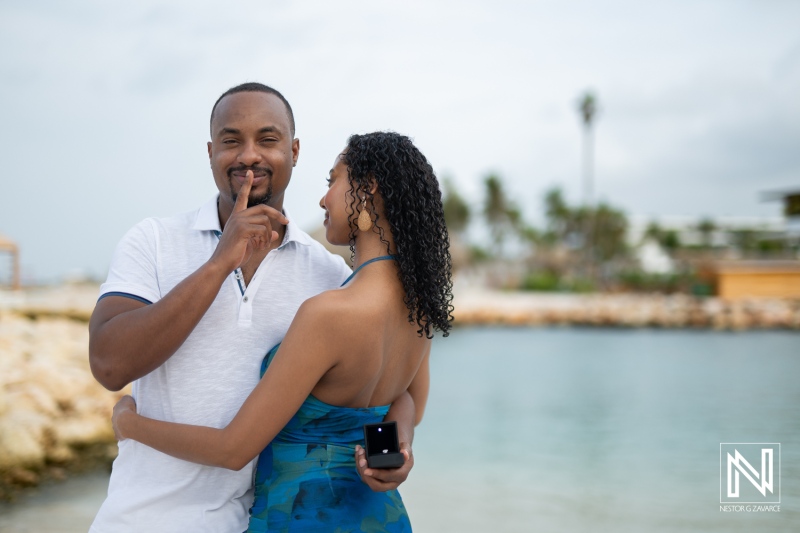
x=573, y=430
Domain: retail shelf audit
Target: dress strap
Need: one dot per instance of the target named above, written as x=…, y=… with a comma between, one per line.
x=365, y=263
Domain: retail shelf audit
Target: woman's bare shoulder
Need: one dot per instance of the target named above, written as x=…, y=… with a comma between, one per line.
x=331, y=309
x=346, y=317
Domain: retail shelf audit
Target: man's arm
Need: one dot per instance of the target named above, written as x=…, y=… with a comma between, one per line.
x=407, y=411
x=128, y=339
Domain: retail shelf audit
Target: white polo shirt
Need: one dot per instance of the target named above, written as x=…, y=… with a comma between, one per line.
x=208, y=378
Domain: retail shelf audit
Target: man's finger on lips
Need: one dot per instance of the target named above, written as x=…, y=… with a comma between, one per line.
x=244, y=193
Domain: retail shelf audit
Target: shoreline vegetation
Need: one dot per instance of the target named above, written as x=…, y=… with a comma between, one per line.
x=55, y=418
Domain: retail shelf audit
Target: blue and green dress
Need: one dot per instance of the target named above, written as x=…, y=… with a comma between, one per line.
x=306, y=479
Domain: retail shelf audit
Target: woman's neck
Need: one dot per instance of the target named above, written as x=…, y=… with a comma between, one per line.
x=369, y=246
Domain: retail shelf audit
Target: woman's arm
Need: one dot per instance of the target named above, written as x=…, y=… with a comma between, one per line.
x=409, y=408
x=420, y=385
x=407, y=411
x=310, y=349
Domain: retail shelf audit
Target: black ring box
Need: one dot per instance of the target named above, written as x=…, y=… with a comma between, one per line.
x=382, y=446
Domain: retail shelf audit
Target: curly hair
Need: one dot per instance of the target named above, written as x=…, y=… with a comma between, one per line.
x=413, y=209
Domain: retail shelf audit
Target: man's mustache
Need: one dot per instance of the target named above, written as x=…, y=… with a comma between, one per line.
x=257, y=171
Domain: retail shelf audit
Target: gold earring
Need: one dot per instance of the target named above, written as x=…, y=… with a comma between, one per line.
x=364, y=220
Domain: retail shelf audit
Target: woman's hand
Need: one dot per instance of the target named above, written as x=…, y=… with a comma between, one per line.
x=125, y=405
x=383, y=479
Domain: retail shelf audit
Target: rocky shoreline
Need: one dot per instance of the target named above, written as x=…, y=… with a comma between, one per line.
x=483, y=307
x=55, y=418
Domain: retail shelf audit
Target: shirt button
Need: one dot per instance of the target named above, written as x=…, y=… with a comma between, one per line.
x=245, y=298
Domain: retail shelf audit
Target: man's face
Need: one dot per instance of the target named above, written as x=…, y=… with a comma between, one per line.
x=250, y=131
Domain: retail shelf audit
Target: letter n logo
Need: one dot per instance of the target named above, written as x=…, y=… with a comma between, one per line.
x=745, y=480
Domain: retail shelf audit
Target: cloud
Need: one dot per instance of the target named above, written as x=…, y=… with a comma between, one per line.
x=106, y=105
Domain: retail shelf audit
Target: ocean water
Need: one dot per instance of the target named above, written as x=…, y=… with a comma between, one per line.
x=601, y=429
x=572, y=430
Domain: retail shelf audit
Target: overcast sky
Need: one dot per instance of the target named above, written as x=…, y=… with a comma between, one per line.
x=104, y=105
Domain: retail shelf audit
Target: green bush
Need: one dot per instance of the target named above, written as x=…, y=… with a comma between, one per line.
x=541, y=281
x=546, y=281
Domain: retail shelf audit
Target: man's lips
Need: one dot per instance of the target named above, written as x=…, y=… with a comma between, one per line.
x=241, y=177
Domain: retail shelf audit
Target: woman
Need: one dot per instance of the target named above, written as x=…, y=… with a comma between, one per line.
x=347, y=356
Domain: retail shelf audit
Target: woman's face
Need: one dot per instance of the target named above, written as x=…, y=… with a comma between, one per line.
x=336, y=203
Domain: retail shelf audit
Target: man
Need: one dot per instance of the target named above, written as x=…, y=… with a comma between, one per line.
x=192, y=304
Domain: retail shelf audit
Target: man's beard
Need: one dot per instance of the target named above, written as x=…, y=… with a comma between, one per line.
x=257, y=200
x=254, y=200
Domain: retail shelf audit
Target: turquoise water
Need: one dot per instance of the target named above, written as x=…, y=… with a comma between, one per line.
x=601, y=430
x=561, y=430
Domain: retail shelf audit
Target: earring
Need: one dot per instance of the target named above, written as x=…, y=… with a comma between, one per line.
x=364, y=220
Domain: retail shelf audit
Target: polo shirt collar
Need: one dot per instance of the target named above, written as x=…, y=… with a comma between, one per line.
x=208, y=220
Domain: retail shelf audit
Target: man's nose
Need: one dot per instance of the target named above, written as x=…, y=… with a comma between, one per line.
x=249, y=155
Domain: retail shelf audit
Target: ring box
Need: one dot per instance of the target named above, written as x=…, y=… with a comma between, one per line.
x=382, y=446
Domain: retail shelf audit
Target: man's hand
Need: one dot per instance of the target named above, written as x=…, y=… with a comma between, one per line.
x=383, y=479
x=248, y=229
x=126, y=404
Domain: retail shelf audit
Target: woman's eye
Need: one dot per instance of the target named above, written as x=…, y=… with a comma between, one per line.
x=329, y=181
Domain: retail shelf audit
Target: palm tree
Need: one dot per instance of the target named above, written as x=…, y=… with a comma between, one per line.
x=456, y=210
x=502, y=215
x=587, y=107
x=494, y=209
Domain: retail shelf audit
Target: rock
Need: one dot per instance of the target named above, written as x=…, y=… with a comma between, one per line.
x=87, y=429
x=23, y=477
x=60, y=454
x=52, y=412
x=22, y=440
x=57, y=473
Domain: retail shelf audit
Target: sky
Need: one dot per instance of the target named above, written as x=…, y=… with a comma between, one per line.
x=104, y=106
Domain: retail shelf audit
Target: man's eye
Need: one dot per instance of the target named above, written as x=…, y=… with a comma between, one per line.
x=229, y=141
x=268, y=140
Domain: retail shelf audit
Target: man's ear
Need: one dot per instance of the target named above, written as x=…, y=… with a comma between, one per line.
x=295, y=151
x=209, y=151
